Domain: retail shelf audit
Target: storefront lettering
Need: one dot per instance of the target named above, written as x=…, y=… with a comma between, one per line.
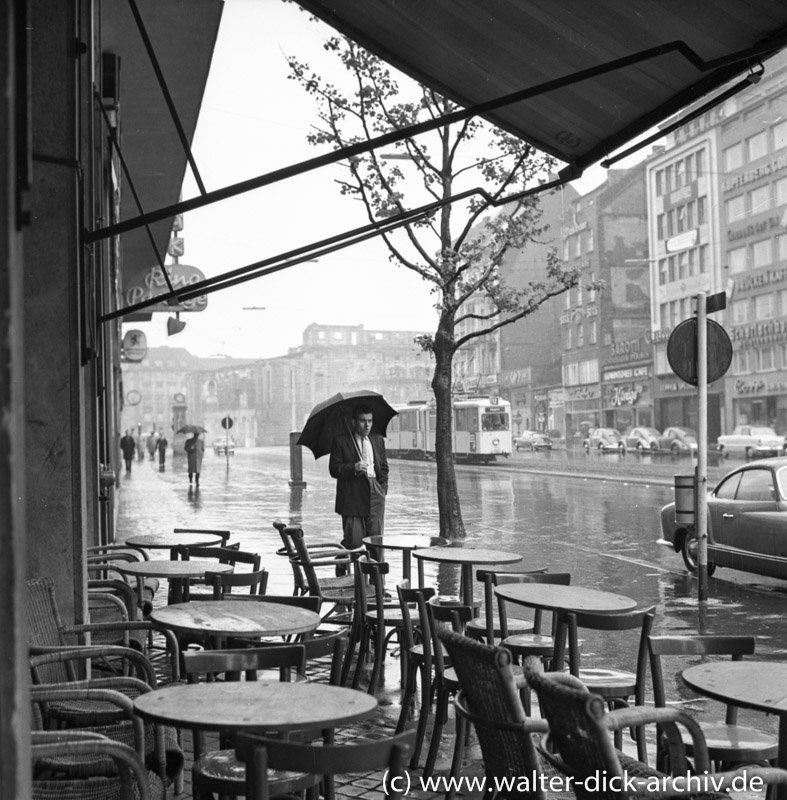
x=754, y=228
x=762, y=279
x=154, y=284
x=625, y=395
x=630, y=372
x=584, y=393
x=762, y=171
x=759, y=385
x=774, y=329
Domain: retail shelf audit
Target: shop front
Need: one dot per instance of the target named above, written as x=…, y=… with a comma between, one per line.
x=759, y=400
x=628, y=397
x=583, y=411
x=676, y=403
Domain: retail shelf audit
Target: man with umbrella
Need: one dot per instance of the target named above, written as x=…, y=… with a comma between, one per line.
x=359, y=464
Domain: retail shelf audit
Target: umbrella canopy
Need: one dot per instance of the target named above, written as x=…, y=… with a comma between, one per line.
x=333, y=417
x=192, y=429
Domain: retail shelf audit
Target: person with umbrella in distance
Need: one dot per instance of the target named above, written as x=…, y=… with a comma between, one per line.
x=359, y=464
x=195, y=450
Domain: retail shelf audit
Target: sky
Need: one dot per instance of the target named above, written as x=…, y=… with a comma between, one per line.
x=254, y=120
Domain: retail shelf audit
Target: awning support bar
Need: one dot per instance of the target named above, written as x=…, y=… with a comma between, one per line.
x=415, y=130
x=167, y=95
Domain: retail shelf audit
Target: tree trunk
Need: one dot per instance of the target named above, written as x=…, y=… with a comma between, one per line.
x=451, y=524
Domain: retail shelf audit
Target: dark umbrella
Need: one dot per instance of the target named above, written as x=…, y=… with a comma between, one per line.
x=333, y=417
x=192, y=429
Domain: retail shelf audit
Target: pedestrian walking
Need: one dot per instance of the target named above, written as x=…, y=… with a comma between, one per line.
x=140, y=448
x=152, y=444
x=360, y=466
x=161, y=446
x=195, y=450
x=128, y=447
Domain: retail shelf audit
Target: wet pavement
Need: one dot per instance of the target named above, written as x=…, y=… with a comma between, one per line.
x=593, y=516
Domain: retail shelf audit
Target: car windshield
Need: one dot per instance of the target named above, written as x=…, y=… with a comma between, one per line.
x=650, y=431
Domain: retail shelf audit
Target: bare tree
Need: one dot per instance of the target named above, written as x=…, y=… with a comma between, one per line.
x=459, y=247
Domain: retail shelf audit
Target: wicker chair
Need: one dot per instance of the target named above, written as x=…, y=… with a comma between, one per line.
x=580, y=746
x=262, y=755
x=126, y=779
x=490, y=700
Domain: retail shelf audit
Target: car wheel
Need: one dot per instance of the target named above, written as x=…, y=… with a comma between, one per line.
x=689, y=552
x=640, y=447
x=675, y=447
x=724, y=453
x=653, y=446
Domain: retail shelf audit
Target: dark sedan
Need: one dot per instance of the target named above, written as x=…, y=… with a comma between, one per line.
x=747, y=522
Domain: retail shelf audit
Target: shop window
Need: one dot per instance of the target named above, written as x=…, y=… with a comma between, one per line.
x=660, y=227
x=757, y=146
x=781, y=192
x=740, y=362
x=735, y=209
x=593, y=332
x=763, y=307
x=760, y=199
x=737, y=260
x=733, y=158
x=781, y=248
x=780, y=135
x=662, y=271
x=740, y=312
x=761, y=253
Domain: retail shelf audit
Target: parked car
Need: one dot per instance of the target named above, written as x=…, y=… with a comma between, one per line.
x=747, y=522
x=678, y=440
x=642, y=439
x=222, y=445
x=604, y=439
x=750, y=441
x=532, y=440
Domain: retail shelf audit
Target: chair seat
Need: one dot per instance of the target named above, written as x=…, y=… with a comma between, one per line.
x=735, y=743
x=94, y=788
x=476, y=628
x=220, y=772
x=609, y=682
x=530, y=644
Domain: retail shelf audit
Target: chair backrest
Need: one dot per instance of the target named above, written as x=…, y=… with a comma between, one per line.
x=389, y=756
x=302, y=559
x=489, y=578
x=223, y=533
x=412, y=603
x=224, y=554
x=370, y=574
x=638, y=619
x=243, y=663
x=45, y=628
x=694, y=645
x=578, y=744
x=445, y=615
x=490, y=699
x=556, y=578
x=224, y=582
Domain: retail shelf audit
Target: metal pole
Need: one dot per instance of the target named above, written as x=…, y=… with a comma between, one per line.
x=227, y=441
x=701, y=517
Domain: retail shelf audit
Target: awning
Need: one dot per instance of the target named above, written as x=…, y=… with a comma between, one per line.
x=474, y=51
x=183, y=35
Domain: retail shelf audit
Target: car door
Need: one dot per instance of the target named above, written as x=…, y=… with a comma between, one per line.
x=743, y=527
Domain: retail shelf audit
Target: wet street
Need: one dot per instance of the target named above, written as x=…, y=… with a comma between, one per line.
x=593, y=516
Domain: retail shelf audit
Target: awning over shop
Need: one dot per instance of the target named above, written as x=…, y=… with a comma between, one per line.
x=182, y=36
x=475, y=51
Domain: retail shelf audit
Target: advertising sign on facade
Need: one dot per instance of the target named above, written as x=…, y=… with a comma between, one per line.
x=135, y=346
x=152, y=283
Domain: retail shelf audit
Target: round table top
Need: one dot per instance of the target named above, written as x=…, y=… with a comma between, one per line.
x=564, y=598
x=255, y=705
x=171, y=569
x=760, y=685
x=236, y=618
x=168, y=540
x=466, y=555
x=404, y=541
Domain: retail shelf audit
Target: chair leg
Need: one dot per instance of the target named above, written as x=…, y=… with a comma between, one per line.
x=462, y=730
x=352, y=640
x=423, y=717
x=407, y=695
x=363, y=650
x=440, y=718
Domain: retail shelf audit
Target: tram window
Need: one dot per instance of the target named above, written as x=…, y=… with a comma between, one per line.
x=472, y=420
x=461, y=419
x=393, y=426
x=406, y=418
x=497, y=421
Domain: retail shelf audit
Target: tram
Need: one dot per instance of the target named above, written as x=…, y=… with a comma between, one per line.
x=482, y=429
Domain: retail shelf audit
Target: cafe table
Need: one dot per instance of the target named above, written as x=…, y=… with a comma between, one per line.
x=167, y=541
x=177, y=573
x=405, y=543
x=466, y=558
x=758, y=685
x=556, y=598
x=255, y=706
x=235, y=618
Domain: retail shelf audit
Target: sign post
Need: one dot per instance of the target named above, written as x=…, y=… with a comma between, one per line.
x=227, y=423
x=688, y=349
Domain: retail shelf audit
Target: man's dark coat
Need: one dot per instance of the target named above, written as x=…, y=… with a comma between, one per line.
x=352, y=491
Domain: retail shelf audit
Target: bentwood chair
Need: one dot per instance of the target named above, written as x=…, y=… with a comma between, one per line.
x=262, y=756
x=579, y=745
x=727, y=742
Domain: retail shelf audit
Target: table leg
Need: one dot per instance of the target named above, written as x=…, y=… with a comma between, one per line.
x=406, y=565
x=467, y=585
x=560, y=643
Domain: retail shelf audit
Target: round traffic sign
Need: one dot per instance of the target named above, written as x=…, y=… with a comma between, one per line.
x=682, y=351
x=226, y=423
